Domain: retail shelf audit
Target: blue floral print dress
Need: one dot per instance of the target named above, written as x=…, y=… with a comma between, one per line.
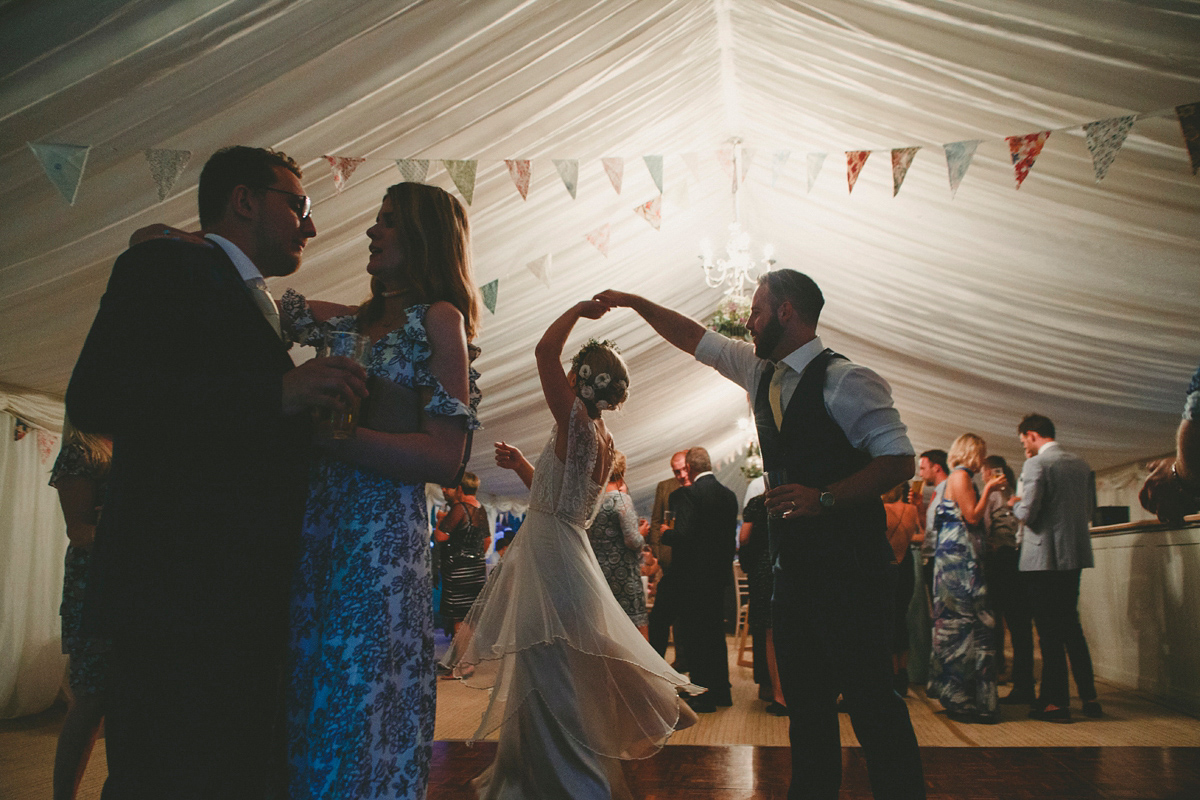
x=962, y=667
x=361, y=694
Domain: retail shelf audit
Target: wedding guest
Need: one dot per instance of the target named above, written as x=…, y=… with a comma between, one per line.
x=1172, y=489
x=933, y=470
x=667, y=601
x=902, y=528
x=1006, y=587
x=80, y=475
x=962, y=666
x=754, y=556
x=464, y=531
x=617, y=540
x=361, y=692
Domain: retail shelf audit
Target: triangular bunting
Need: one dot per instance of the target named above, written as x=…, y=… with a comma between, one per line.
x=725, y=159
x=958, y=158
x=778, y=161
x=343, y=167
x=815, y=160
x=651, y=211
x=599, y=238
x=165, y=167
x=901, y=160
x=540, y=267
x=1189, y=121
x=855, y=159
x=1025, y=150
x=1104, y=140
x=654, y=164
x=568, y=170
x=463, y=175
x=746, y=160
x=615, y=169
x=413, y=170
x=489, y=292
x=63, y=164
x=520, y=171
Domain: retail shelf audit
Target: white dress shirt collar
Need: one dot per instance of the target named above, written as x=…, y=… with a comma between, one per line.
x=1046, y=446
x=803, y=355
x=245, y=266
x=701, y=475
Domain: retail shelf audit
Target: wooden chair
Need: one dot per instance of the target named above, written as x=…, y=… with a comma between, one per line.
x=742, y=584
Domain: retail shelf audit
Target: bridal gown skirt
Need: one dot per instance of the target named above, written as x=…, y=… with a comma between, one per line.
x=575, y=687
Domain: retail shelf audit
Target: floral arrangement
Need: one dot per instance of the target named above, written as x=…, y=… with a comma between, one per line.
x=731, y=317
x=753, y=467
x=598, y=388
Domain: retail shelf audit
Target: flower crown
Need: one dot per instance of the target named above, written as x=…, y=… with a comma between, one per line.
x=598, y=388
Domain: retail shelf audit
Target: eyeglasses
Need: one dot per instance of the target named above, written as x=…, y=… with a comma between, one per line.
x=302, y=203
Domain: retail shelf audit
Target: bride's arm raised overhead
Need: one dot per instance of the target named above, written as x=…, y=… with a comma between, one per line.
x=557, y=384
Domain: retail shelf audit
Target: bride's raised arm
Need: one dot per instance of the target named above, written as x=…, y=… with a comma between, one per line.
x=556, y=385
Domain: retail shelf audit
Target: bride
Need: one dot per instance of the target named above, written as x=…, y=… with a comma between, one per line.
x=574, y=685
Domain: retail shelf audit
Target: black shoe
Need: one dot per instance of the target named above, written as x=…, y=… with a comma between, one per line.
x=1060, y=715
x=720, y=698
x=777, y=710
x=701, y=703
x=1092, y=709
x=1017, y=697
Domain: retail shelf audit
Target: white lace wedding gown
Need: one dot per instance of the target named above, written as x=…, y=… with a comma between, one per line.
x=574, y=685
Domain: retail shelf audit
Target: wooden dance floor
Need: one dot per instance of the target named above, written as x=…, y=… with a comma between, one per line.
x=710, y=772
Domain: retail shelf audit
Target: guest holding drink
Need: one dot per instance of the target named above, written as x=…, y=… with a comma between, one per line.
x=464, y=532
x=360, y=707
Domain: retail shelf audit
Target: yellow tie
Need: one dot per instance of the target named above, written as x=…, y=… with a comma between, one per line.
x=266, y=304
x=775, y=392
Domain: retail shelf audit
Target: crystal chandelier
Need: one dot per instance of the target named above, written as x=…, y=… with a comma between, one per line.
x=738, y=270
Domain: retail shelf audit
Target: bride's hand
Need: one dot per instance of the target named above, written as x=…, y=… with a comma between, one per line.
x=592, y=309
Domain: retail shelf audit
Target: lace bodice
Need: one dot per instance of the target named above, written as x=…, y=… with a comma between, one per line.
x=568, y=490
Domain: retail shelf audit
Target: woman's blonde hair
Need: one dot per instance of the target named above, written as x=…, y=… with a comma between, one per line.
x=967, y=451
x=601, y=375
x=618, y=467
x=97, y=449
x=435, y=236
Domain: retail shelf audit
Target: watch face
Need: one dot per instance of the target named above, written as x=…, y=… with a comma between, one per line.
x=826, y=500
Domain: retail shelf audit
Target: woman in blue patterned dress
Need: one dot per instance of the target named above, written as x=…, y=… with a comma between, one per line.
x=80, y=475
x=962, y=666
x=617, y=543
x=361, y=693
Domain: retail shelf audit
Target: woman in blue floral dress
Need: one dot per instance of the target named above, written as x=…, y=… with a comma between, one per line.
x=617, y=542
x=962, y=666
x=361, y=694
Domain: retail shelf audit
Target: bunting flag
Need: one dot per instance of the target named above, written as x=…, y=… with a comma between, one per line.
x=678, y=195
x=693, y=164
x=63, y=164
x=651, y=211
x=1025, y=150
x=855, y=159
x=489, y=292
x=746, y=161
x=540, y=267
x=725, y=159
x=958, y=158
x=655, y=165
x=165, y=167
x=343, y=167
x=901, y=161
x=1189, y=121
x=778, y=161
x=47, y=444
x=599, y=238
x=463, y=175
x=1104, y=140
x=413, y=170
x=568, y=170
x=615, y=169
x=815, y=161
x=521, y=172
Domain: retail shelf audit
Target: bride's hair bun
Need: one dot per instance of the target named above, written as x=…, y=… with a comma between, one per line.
x=601, y=376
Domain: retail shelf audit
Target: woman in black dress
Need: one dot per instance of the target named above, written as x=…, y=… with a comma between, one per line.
x=464, y=530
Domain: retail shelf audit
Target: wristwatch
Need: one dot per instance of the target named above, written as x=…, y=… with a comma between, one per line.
x=826, y=499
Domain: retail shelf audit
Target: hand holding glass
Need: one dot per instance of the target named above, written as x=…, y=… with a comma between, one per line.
x=341, y=424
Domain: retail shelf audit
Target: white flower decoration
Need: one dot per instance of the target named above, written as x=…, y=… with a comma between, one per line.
x=602, y=380
x=603, y=405
x=586, y=392
x=585, y=371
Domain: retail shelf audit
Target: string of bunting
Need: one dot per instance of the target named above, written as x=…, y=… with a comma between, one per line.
x=64, y=166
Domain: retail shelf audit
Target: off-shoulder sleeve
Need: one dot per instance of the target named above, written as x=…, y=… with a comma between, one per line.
x=72, y=462
x=299, y=326
x=442, y=404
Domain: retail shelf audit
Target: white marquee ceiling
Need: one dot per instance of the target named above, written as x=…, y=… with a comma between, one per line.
x=1069, y=297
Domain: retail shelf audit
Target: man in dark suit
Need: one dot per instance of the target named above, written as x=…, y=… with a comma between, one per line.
x=185, y=368
x=666, y=600
x=1058, y=493
x=703, y=543
x=831, y=442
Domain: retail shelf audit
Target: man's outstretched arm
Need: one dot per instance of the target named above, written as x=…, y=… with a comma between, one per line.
x=683, y=332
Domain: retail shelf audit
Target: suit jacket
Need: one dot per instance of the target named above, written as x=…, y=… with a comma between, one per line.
x=1057, y=500
x=662, y=494
x=704, y=538
x=207, y=486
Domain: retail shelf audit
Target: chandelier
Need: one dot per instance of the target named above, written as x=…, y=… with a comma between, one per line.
x=737, y=270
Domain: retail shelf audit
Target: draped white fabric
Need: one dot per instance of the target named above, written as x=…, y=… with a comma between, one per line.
x=33, y=542
x=1068, y=297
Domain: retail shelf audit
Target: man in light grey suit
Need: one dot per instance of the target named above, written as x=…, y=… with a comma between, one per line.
x=1056, y=504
